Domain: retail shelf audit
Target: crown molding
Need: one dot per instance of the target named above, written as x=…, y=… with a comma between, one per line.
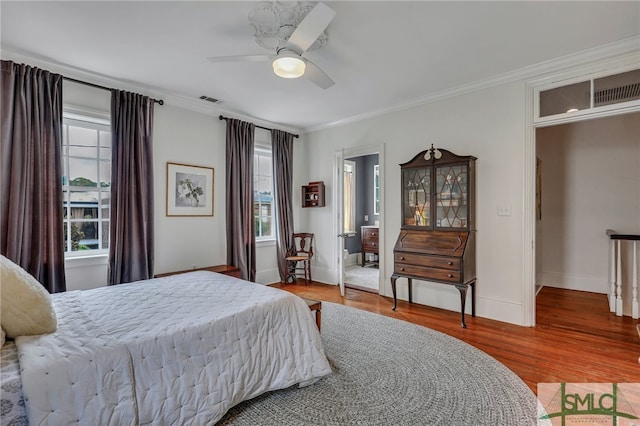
x=626, y=46
x=195, y=105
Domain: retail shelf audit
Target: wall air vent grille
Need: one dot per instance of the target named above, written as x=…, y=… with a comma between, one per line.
x=615, y=95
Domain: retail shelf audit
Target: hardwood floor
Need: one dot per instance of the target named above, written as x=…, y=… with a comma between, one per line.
x=576, y=338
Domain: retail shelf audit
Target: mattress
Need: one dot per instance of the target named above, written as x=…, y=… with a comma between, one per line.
x=12, y=411
x=176, y=350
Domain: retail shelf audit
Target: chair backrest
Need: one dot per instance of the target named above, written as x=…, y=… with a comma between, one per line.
x=303, y=244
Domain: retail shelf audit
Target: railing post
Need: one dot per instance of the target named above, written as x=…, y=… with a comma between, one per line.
x=612, y=276
x=618, y=279
x=615, y=272
x=634, y=300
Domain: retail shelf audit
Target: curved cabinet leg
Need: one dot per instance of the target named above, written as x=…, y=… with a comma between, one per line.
x=393, y=289
x=462, y=288
x=473, y=299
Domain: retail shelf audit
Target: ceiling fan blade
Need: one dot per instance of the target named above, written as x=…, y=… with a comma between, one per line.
x=317, y=76
x=311, y=27
x=242, y=58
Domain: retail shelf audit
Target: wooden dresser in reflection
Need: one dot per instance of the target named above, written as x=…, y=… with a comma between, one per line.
x=370, y=241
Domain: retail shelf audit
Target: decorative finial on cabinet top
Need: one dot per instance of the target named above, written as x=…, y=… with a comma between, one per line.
x=432, y=154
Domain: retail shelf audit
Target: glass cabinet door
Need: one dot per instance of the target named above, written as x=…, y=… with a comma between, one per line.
x=416, y=209
x=451, y=196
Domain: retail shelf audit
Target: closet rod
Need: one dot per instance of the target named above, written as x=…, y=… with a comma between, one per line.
x=259, y=127
x=97, y=86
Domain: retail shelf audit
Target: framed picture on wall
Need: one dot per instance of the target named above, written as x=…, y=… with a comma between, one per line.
x=189, y=190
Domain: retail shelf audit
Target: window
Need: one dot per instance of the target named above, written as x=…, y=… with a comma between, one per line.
x=263, y=193
x=376, y=189
x=588, y=94
x=349, y=196
x=86, y=183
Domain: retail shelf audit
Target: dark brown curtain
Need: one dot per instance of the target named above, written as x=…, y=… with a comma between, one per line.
x=31, y=230
x=241, y=239
x=131, y=221
x=282, y=155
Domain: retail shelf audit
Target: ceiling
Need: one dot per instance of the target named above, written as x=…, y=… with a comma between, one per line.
x=381, y=55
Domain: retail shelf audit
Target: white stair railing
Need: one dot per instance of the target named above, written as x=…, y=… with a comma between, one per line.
x=615, y=272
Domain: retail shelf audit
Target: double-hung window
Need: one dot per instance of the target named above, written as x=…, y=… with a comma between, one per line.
x=86, y=184
x=263, y=193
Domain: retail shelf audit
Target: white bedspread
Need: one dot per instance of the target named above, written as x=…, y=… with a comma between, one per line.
x=177, y=350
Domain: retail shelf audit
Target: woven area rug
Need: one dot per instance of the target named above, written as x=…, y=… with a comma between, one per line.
x=387, y=371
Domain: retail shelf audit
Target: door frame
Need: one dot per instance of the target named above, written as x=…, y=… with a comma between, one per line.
x=529, y=170
x=339, y=157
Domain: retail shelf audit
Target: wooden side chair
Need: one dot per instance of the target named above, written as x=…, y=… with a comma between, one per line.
x=299, y=256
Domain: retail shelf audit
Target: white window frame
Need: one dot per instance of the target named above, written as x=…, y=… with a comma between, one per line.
x=93, y=121
x=262, y=149
x=376, y=189
x=349, y=164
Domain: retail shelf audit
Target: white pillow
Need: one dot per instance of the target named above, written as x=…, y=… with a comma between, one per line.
x=25, y=305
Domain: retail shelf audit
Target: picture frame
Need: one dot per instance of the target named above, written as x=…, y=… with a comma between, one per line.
x=189, y=190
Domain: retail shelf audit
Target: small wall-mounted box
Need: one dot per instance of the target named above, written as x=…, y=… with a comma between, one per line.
x=313, y=194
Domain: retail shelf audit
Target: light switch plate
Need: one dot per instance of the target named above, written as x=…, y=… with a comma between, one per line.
x=366, y=218
x=504, y=210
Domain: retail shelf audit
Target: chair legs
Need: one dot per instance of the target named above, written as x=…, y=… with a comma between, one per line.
x=293, y=270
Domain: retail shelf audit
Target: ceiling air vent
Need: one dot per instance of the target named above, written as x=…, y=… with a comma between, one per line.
x=209, y=99
x=616, y=95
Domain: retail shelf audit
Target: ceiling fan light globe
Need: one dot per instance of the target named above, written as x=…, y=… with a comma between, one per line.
x=289, y=67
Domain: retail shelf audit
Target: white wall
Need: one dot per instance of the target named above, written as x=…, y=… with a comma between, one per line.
x=590, y=183
x=186, y=137
x=488, y=124
x=179, y=136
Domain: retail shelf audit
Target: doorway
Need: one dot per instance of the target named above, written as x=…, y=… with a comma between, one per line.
x=588, y=174
x=361, y=213
x=549, y=112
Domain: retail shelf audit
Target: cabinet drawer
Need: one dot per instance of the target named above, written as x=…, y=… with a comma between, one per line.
x=428, y=273
x=370, y=233
x=370, y=244
x=451, y=263
x=439, y=243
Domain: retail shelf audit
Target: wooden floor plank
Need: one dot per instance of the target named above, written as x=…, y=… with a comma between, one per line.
x=576, y=338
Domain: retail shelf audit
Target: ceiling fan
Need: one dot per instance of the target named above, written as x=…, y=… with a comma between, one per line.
x=290, y=31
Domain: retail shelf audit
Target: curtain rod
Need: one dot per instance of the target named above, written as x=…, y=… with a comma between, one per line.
x=97, y=86
x=222, y=117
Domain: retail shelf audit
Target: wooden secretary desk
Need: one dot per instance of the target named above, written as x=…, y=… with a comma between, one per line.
x=437, y=240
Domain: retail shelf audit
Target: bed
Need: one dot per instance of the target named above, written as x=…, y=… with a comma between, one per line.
x=177, y=350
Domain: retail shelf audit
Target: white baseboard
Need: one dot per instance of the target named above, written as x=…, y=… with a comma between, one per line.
x=268, y=276
x=447, y=297
x=573, y=282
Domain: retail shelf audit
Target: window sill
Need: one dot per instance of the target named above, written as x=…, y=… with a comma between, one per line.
x=90, y=260
x=266, y=243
